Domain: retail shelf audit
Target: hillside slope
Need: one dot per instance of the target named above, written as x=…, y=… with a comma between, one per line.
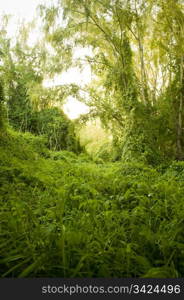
x=62, y=215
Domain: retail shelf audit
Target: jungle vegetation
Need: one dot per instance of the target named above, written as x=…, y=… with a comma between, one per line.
x=85, y=200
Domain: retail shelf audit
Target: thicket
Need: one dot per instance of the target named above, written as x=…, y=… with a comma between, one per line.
x=118, y=210
x=28, y=106
x=65, y=216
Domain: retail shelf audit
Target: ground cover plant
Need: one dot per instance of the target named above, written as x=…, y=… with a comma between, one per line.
x=71, y=217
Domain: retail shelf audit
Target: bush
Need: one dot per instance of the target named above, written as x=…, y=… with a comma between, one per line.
x=56, y=127
x=65, y=216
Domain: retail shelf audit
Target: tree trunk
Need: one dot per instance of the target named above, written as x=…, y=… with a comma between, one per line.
x=143, y=72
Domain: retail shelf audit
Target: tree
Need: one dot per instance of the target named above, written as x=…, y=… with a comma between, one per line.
x=118, y=94
x=169, y=33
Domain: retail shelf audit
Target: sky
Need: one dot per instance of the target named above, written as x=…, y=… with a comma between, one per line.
x=26, y=9
x=20, y=8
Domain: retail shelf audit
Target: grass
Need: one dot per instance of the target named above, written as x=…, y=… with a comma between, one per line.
x=62, y=215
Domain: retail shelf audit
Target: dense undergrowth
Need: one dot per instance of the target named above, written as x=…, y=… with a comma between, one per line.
x=63, y=215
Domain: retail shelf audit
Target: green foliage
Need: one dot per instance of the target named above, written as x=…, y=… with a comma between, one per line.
x=1, y=107
x=135, y=59
x=65, y=216
x=21, y=67
x=56, y=127
x=115, y=209
x=30, y=106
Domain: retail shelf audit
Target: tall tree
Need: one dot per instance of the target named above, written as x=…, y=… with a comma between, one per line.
x=114, y=30
x=169, y=33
